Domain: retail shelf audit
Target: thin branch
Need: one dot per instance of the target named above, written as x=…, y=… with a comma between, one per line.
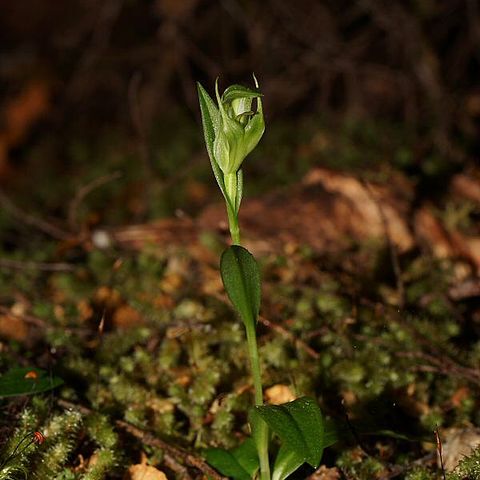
x=289, y=336
x=440, y=452
x=300, y=344
x=37, y=322
x=138, y=122
x=177, y=453
x=444, y=365
x=83, y=192
x=30, y=220
x=30, y=265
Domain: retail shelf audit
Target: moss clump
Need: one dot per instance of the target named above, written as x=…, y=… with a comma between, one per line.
x=420, y=473
x=468, y=468
x=355, y=464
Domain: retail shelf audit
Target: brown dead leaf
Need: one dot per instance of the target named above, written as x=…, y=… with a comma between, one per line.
x=127, y=317
x=327, y=211
x=197, y=193
x=108, y=297
x=143, y=471
x=324, y=473
x=472, y=104
x=467, y=186
x=23, y=110
x=13, y=328
x=174, y=9
x=182, y=375
x=457, y=443
x=459, y=396
x=163, y=302
x=278, y=394
x=349, y=397
x=161, y=405
x=171, y=282
x=19, y=114
x=429, y=230
x=364, y=203
x=85, y=310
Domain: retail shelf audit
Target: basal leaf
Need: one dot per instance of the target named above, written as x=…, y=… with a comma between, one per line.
x=299, y=424
x=247, y=456
x=240, y=463
x=223, y=461
x=287, y=462
x=241, y=279
x=331, y=433
x=27, y=381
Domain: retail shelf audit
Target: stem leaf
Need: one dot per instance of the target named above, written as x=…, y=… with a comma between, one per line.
x=240, y=463
x=211, y=123
x=299, y=424
x=241, y=279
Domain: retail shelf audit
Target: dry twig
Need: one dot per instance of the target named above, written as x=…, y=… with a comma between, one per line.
x=30, y=265
x=83, y=192
x=35, y=321
x=30, y=220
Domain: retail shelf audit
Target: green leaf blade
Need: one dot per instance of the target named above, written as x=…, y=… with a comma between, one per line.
x=300, y=426
x=211, y=123
x=241, y=279
x=27, y=381
x=286, y=463
x=247, y=456
x=223, y=461
x=331, y=433
x=240, y=463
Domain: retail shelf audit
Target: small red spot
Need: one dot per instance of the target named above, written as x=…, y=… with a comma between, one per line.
x=38, y=437
x=31, y=374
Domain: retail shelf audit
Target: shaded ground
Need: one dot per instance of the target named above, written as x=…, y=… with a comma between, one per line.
x=378, y=318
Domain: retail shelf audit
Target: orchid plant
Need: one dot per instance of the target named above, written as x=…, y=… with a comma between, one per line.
x=232, y=128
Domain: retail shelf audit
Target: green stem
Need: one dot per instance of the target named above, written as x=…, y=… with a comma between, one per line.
x=255, y=363
x=233, y=226
x=262, y=428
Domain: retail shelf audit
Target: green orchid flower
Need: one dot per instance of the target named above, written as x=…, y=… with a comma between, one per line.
x=240, y=128
x=232, y=130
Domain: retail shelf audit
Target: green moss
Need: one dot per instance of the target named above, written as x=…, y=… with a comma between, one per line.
x=420, y=473
x=468, y=468
x=355, y=464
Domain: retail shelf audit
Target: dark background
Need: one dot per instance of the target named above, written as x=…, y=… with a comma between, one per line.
x=92, y=87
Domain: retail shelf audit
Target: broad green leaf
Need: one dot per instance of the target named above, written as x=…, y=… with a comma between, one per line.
x=211, y=124
x=331, y=433
x=241, y=463
x=247, y=456
x=27, y=381
x=287, y=462
x=241, y=279
x=299, y=424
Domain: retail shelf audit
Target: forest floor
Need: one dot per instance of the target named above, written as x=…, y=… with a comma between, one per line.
x=110, y=287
